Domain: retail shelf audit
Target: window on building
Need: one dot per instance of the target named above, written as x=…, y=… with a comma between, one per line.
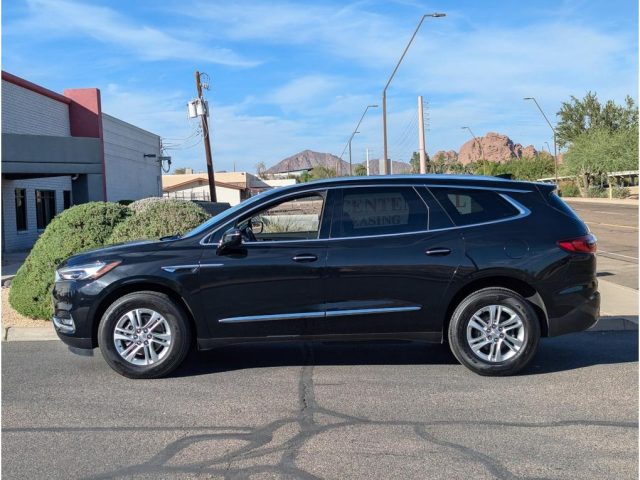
x=45, y=207
x=21, y=209
x=67, y=198
x=381, y=211
x=468, y=207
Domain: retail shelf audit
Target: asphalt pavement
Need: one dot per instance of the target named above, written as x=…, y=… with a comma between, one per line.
x=616, y=227
x=301, y=410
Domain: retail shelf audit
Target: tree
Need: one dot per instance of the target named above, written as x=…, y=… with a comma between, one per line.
x=580, y=116
x=599, y=151
x=360, y=169
x=317, y=173
x=260, y=169
x=179, y=171
x=415, y=162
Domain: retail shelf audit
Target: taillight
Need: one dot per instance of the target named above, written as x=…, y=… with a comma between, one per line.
x=584, y=244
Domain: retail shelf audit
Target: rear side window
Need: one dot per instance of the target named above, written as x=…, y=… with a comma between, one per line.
x=380, y=211
x=470, y=206
x=556, y=202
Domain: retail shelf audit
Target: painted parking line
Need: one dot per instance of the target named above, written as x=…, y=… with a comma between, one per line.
x=617, y=254
x=612, y=225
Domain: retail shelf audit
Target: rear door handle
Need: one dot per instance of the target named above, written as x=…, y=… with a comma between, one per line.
x=305, y=257
x=438, y=252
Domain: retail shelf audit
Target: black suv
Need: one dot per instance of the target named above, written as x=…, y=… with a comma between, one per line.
x=487, y=264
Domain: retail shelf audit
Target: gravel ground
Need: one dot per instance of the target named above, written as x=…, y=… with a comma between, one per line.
x=11, y=318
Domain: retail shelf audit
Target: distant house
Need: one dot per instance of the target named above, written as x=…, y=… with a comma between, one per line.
x=61, y=149
x=231, y=187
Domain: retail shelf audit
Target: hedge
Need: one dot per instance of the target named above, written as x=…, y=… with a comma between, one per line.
x=75, y=230
x=159, y=219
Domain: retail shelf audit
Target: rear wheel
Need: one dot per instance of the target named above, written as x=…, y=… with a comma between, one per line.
x=494, y=331
x=144, y=335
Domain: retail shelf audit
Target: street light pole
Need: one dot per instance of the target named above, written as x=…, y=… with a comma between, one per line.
x=555, y=145
x=385, y=157
x=355, y=130
x=484, y=167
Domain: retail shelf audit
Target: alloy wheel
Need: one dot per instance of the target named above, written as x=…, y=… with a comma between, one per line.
x=495, y=333
x=142, y=337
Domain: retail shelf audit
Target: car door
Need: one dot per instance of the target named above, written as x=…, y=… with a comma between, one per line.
x=387, y=271
x=271, y=284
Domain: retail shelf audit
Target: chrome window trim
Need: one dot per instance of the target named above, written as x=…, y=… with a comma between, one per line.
x=523, y=212
x=324, y=314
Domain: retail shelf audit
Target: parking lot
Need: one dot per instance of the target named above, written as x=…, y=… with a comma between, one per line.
x=375, y=410
x=616, y=227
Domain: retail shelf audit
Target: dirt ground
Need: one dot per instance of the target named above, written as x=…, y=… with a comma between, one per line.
x=11, y=318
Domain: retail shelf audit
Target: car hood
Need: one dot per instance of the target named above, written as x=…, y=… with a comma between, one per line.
x=113, y=252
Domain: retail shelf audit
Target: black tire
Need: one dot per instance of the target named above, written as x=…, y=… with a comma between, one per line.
x=172, y=313
x=462, y=316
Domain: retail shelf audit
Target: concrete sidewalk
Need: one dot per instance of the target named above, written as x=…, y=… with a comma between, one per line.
x=11, y=262
x=606, y=201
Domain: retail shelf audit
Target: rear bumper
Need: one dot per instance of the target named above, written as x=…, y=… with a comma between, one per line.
x=580, y=318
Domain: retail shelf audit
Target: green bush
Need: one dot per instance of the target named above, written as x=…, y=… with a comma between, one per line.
x=598, y=191
x=76, y=229
x=125, y=202
x=142, y=204
x=157, y=219
x=569, y=189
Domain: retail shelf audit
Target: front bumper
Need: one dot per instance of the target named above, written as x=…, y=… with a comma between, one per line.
x=579, y=319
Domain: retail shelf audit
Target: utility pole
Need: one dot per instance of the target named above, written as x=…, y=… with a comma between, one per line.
x=367, y=161
x=207, y=144
x=423, y=155
x=350, y=169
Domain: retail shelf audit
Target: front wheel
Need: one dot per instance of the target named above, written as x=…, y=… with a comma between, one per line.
x=494, y=331
x=144, y=335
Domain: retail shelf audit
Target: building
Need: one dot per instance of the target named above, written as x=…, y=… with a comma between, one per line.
x=231, y=187
x=61, y=149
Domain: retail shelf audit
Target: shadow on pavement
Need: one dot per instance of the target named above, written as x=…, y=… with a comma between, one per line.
x=554, y=354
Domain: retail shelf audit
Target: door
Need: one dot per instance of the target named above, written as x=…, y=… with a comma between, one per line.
x=271, y=284
x=390, y=259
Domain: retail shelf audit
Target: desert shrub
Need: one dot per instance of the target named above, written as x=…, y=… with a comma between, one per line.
x=621, y=192
x=569, y=189
x=597, y=191
x=159, y=219
x=75, y=230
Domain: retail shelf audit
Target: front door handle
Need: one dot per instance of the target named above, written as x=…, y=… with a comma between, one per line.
x=305, y=257
x=441, y=252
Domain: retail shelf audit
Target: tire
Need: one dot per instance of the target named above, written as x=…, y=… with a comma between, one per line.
x=152, y=352
x=496, y=351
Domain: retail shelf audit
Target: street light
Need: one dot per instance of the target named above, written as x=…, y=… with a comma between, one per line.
x=385, y=162
x=355, y=130
x=548, y=147
x=484, y=167
x=555, y=145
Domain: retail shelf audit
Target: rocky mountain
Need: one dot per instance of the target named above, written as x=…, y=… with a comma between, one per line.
x=396, y=167
x=308, y=159
x=494, y=147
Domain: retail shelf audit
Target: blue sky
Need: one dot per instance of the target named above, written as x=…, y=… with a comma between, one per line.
x=290, y=75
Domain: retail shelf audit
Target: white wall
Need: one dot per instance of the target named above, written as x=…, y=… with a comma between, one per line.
x=12, y=240
x=30, y=113
x=223, y=194
x=130, y=176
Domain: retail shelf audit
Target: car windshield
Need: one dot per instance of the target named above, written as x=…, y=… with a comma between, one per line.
x=226, y=213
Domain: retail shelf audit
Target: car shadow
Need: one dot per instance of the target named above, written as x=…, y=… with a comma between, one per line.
x=554, y=354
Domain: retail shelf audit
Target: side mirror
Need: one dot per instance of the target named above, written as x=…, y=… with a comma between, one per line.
x=231, y=238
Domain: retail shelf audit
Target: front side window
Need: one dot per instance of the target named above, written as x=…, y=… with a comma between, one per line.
x=295, y=219
x=368, y=211
x=21, y=209
x=45, y=207
x=469, y=206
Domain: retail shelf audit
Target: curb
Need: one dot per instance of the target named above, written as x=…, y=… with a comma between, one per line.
x=29, y=334
x=41, y=334
x=6, y=280
x=603, y=201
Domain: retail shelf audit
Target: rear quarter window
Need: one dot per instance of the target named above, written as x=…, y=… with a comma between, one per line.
x=558, y=204
x=470, y=206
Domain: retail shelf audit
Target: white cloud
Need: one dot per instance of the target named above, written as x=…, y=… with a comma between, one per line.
x=107, y=26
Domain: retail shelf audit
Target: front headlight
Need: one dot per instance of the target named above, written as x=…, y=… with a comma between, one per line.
x=84, y=272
